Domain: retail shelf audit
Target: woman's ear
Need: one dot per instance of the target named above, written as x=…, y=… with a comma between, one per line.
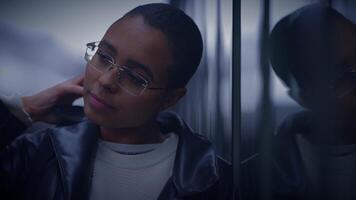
x=172, y=97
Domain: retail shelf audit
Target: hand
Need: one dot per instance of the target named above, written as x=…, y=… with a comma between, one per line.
x=40, y=106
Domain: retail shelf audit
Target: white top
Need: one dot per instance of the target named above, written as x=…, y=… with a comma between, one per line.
x=134, y=172
x=330, y=170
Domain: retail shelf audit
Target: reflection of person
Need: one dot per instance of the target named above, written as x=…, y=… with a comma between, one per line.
x=313, y=51
x=125, y=148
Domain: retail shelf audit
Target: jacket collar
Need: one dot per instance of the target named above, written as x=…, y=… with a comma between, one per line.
x=194, y=168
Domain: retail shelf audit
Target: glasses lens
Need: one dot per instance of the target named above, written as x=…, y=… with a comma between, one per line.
x=131, y=82
x=101, y=61
x=97, y=58
x=128, y=80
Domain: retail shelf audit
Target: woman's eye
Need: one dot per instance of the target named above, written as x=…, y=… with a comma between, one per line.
x=104, y=58
x=137, y=79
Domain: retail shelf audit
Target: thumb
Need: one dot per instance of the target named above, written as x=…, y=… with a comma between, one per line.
x=75, y=89
x=78, y=80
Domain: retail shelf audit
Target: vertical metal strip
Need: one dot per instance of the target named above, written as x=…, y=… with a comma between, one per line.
x=236, y=91
x=266, y=120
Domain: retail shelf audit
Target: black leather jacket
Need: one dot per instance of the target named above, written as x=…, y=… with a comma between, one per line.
x=56, y=163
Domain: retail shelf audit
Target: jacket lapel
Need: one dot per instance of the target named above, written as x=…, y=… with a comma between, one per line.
x=195, y=167
x=75, y=148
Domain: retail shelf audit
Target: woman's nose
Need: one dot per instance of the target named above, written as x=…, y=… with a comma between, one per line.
x=108, y=79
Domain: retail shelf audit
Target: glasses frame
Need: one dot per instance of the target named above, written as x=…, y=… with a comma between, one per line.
x=87, y=57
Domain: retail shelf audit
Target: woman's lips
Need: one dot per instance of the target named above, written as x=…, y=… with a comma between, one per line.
x=99, y=103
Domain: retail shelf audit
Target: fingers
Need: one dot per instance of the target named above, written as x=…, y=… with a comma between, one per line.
x=78, y=80
x=73, y=86
x=75, y=89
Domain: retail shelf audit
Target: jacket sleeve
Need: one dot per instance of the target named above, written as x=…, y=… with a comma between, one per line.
x=10, y=126
x=15, y=161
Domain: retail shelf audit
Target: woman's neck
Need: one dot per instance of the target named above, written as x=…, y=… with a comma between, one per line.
x=146, y=134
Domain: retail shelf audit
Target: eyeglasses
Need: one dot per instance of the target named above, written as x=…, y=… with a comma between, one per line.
x=127, y=79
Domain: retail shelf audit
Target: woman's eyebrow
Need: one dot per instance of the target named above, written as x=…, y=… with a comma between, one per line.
x=136, y=64
x=108, y=45
x=132, y=63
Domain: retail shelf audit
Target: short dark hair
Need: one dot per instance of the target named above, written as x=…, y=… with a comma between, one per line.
x=182, y=33
x=309, y=28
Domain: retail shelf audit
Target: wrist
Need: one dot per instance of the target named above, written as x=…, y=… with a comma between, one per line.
x=26, y=106
x=15, y=105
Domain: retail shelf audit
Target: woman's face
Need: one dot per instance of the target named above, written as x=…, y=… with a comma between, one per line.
x=146, y=51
